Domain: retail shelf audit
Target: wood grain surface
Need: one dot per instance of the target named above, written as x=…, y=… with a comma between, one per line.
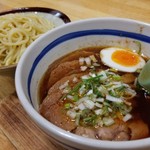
x=17, y=130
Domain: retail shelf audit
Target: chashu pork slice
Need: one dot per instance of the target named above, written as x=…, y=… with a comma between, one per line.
x=62, y=70
x=68, y=65
x=120, y=131
x=52, y=107
x=115, y=132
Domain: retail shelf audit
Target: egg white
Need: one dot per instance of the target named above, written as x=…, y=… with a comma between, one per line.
x=106, y=54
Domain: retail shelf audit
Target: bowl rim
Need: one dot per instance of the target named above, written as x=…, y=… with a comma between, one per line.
x=58, y=132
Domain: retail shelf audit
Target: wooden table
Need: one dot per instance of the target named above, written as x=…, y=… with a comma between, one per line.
x=17, y=131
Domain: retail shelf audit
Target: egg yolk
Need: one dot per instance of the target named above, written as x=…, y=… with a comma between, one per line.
x=125, y=58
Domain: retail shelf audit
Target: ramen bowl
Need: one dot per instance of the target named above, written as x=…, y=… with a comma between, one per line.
x=61, y=41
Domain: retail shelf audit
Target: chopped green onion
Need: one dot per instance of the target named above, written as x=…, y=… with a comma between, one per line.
x=93, y=58
x=127, y=117
x=113, y=70
x=98, y=98
x=67, y=106
x=90, y=120
x=89, y=104
x=113, y=99
x=77, y=120
x=108, y=121
x=81, y=106
x=98, y=111
x=116, y=77
x=75, y=98
x=71, y=113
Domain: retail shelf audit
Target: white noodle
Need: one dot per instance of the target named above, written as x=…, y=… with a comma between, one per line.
x=17, y=32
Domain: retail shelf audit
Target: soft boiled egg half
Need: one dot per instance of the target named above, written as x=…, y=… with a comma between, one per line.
x=121, y=59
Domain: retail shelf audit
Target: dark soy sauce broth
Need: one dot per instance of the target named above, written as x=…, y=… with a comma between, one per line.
x=142, y=99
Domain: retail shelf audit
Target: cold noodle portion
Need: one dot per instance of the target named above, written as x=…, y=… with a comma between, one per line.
x=17, y=32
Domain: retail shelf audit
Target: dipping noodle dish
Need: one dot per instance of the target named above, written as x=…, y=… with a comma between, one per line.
x=82, y=88
x=19, y=28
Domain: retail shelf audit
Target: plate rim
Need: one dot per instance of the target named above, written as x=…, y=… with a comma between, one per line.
x=51, y=11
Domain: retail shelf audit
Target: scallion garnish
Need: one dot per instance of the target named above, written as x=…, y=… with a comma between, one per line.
x=98, y=99
x=67, y=106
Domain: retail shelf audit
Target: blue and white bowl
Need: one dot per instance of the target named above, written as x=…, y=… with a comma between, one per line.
x=65, y=39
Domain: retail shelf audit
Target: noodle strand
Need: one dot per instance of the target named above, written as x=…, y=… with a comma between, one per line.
x=17, y=32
